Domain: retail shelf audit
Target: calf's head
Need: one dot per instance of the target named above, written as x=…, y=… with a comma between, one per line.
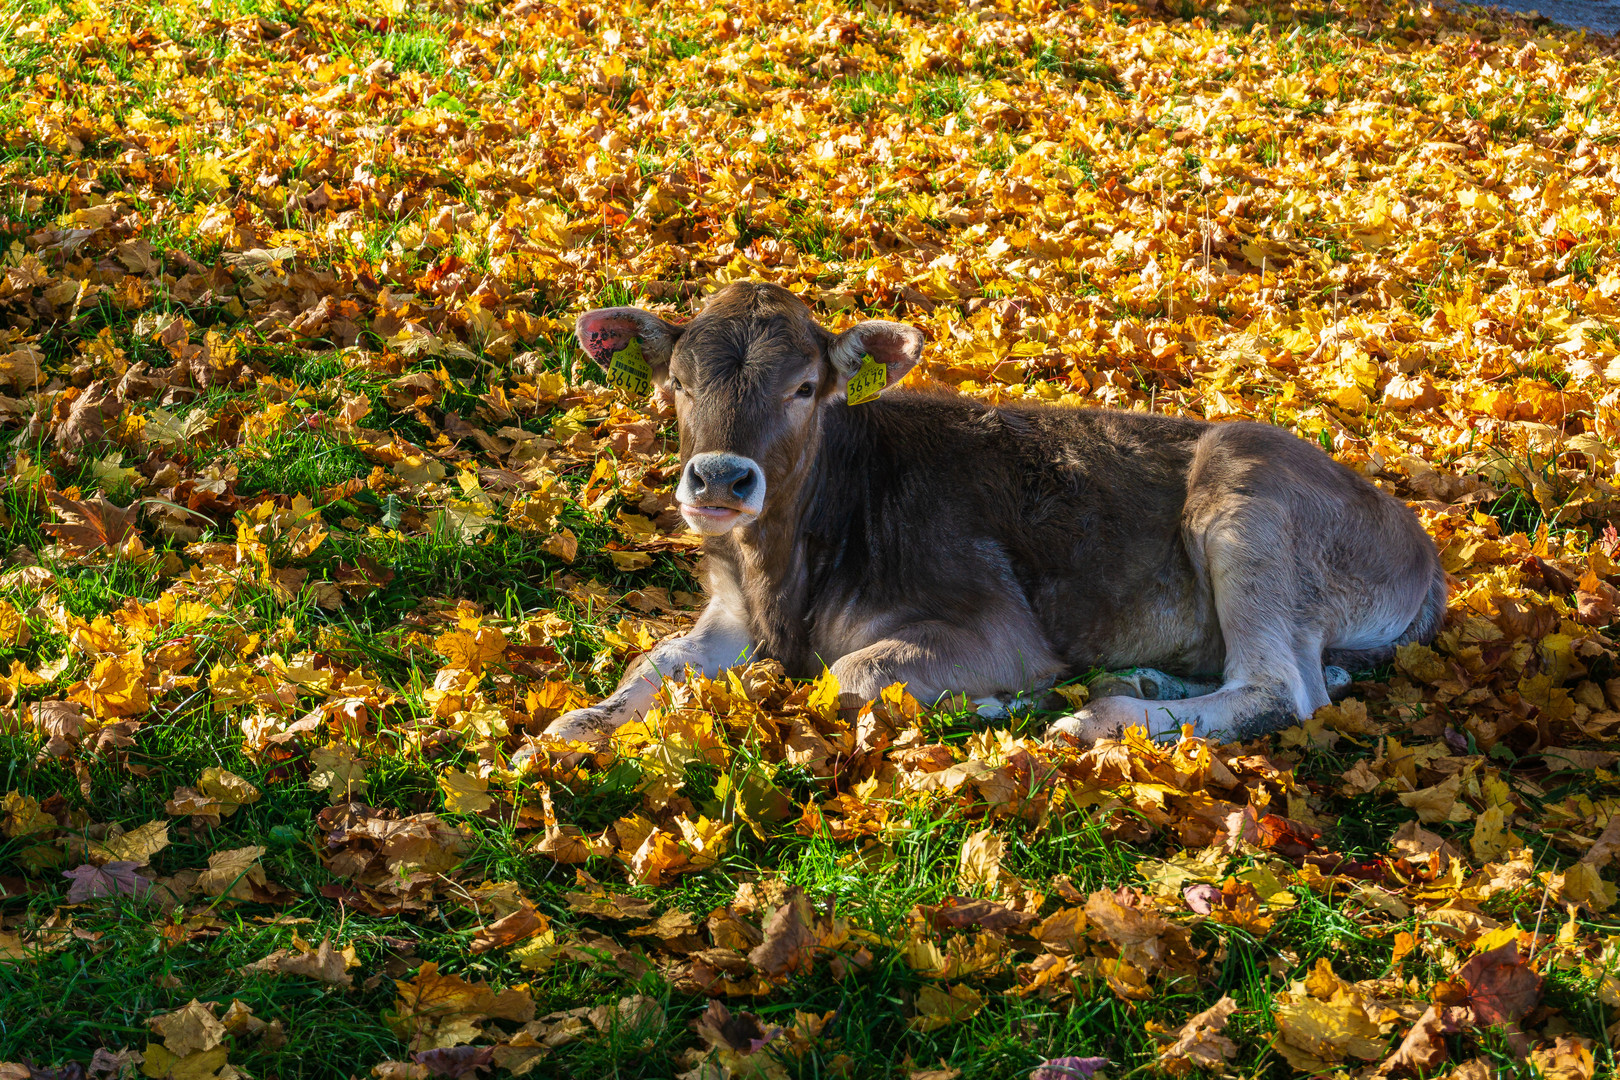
x=751, y=377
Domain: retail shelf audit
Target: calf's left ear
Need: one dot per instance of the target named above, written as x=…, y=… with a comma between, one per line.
x=896, y=346
x=604, y=331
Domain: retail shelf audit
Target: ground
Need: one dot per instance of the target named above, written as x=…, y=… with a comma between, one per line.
x=313, y=511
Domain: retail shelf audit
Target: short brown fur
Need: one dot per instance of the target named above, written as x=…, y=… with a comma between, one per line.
x=932, y=539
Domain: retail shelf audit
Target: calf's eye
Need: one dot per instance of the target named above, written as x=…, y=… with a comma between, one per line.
x=674, y=383
x=806, y=390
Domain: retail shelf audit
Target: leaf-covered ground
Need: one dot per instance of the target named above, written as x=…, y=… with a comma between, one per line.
x=313, y=511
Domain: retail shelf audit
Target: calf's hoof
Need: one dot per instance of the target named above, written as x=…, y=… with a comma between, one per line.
x=1338, y=681
x=1002, y=706
x=1149, y=684
x=590, y=726
x=1079, y=727
x=1108, y=717
x=991, y=708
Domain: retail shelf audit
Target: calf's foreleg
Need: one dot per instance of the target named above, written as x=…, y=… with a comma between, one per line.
x=718, y=641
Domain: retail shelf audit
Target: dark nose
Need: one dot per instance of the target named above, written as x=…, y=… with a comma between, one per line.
x=720, y=478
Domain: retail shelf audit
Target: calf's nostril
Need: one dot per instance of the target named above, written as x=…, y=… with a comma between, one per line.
x=743, y=484
x=691, y=480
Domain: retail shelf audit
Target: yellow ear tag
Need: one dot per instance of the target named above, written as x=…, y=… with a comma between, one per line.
x=868, y=382
x=629, y=370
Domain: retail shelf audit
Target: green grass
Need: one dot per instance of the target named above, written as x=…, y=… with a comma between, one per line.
x=102, y=989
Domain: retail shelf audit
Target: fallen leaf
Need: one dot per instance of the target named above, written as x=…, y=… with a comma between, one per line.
x=940, y=1006
x=1501, y=986
x=92, y=524
x=323, y=962
x=189, y=1029
x=1200, y=1042
x=455, y=1061
x=138, y=846
x=523, y=923
x=112, y=879
x=1068, y=1068
x=1570, y=1057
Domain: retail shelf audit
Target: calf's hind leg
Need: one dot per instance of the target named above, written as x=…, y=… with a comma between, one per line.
x=1153, y=685
x=1273, y=672
x=933, y=658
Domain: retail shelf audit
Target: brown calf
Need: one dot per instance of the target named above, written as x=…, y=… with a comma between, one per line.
x=955, y=546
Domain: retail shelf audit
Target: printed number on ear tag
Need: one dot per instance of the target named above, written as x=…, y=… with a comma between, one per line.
x=629, y=370
x=868, y=382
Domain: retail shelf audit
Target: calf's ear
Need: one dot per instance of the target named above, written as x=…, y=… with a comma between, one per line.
x=896, y=346
x=605, y=331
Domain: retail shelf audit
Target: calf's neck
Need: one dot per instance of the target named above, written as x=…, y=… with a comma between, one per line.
x=959, y=547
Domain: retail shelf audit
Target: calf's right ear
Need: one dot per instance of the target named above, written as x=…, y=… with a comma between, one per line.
x=896, y=346
x=605, y=331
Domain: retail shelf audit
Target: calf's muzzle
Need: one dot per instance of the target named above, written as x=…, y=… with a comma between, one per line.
x=718, y=491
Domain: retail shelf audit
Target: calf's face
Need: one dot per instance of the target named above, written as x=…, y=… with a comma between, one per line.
x=750, y=377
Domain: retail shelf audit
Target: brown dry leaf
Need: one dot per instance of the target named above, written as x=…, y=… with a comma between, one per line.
x=605, y=904
x=568, y=844
x=189, y=1029
x=563, y=544
x=391, y=863
x=523, y=923
x=323, y=962
x=1500, y=985
x=219, y=794
x=1063, y=931
x=1568, y=1058
x=637, y=1014
x=1607, y=845
x=675, y=930
x=1437, y=803
x=1144, y=938
x=237, y=875
x=940, y=1006
x=86, y=417
x=790, y=941
x=1422, y=1049
x=92, y=524
x=62, y=723
x=979, y=863
x=137, y=846
x=1415, y=842
x=1200, y=1043
x=1238, y=905
x=959, y=912
x=442, y=1010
